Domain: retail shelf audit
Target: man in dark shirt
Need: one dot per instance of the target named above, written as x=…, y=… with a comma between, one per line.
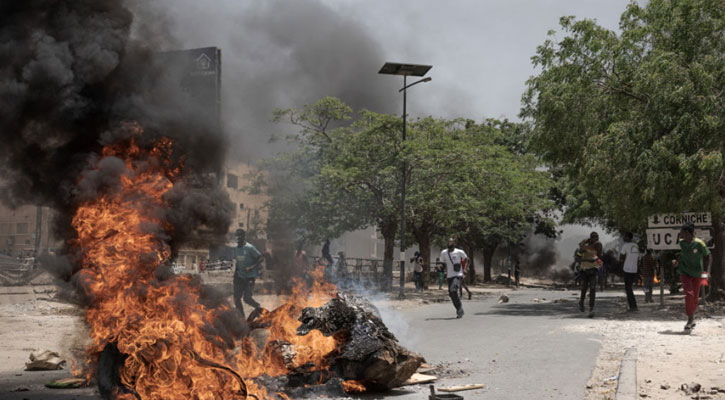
x=327, y=258
x=248, y=259
x=649, y=266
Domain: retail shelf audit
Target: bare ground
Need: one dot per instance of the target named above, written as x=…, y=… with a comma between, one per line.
x=31, y=319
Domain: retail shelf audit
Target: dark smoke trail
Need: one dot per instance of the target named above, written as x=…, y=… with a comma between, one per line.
x=70, y=77
x=280, y=54
x=539, y=254
x=73, y=81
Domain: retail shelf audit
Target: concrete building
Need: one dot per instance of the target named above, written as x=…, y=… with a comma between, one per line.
x=249, y=214
x=26, y=231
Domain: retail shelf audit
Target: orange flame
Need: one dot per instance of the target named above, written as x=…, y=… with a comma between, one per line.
x=312, y=348
x=352, y=386
x=160, y=325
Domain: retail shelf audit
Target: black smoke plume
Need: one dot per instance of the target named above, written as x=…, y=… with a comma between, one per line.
x=539, y=254
x=279, y=54
x=71, y=77
x=72, y=81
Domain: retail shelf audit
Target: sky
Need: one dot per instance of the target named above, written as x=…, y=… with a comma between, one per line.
x=286, y=53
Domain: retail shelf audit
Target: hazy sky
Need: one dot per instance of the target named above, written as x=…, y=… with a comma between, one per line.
x=285, y=53
x=480, y=50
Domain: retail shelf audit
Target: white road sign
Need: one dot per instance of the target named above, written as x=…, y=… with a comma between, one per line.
x=675, y=220
x=666, y=238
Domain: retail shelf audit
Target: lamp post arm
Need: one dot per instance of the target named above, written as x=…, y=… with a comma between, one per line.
x=428, y=79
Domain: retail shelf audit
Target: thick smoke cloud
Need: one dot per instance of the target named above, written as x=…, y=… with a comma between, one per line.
x=55, y=80
x=71, y=78
x=279, y=54
x=539, y=254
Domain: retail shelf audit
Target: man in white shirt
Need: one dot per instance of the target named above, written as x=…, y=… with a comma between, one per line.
x=453, y=258
x=629, y=255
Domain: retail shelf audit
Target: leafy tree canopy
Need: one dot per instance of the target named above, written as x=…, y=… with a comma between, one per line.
x=634, y=121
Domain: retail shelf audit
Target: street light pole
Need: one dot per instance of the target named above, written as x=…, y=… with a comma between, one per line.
x=405, y=70
x=402, y=198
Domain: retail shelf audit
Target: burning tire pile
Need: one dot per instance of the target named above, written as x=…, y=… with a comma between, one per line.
x=156, y=335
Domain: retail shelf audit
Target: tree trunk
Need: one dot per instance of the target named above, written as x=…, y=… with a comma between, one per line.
x=470, y=267
x=423, y=239
x=488, y=251
x=716, y=278
x=388, y=231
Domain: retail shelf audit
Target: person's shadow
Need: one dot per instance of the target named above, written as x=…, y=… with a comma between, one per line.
x=676, y=333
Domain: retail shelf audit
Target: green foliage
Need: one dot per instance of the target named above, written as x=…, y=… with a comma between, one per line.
x=504, y=193
x=341, y=176
x=463, y=179
x=301, y=198
x=634, y=122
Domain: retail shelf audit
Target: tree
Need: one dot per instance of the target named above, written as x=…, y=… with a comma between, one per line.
x=341, y=176
x=366, y=169
x=634, y=121
x=436, y=163
x=300, y=199
x=499, y=192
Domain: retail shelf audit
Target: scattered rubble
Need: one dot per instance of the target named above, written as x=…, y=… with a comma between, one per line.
x=44, y=361
x=434, y=396
x=690, y=388
x=462, y=387
x=66, y=383
x=418, y=378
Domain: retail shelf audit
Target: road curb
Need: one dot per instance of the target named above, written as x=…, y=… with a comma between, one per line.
x=627, y=382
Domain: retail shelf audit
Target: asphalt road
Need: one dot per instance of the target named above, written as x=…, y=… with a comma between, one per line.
x=517, y=349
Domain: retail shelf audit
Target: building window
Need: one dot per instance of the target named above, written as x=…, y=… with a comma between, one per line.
x=22, y=227
x=241, y=206
x=232, y=181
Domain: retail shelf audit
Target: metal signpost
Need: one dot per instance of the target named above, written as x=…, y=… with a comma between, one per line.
x=667, y=238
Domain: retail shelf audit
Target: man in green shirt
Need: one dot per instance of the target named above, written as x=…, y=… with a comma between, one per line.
x=690, y=266
x=247, y=260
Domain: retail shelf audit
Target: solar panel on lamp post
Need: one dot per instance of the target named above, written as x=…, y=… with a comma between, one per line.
x=405, y=70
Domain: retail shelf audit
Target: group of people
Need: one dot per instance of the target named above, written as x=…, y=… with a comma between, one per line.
x=694, y=258
x=334, y=271
x=452, y=262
